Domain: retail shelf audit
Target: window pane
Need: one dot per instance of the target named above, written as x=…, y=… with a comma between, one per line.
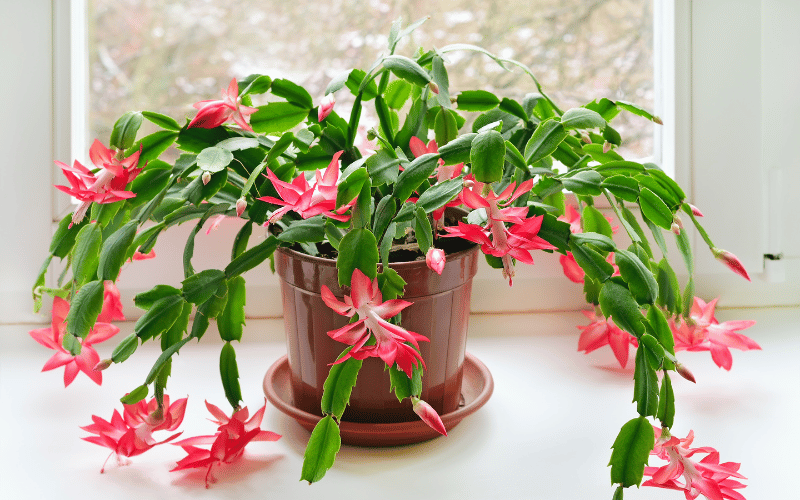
x=165, y=55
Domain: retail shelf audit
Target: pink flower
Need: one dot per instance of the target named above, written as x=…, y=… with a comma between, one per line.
x=228, y=444
x=112, y=305
x=515, y=242
x=109, y=184
x=212, y=114
x=137, y=255
x=730, y=260
x=707, y=476
x=571, y=268
x=573, y=218
x=52, y=338
x=392, y=341
x=705, y=333
x=575, y=273
x=325, y=107
x=435, y=259
x=696, y=211
x=307, y=199
x=132, y=434
x=215, y=222
x=602, y=331
x=443, y=173
x=428, y=415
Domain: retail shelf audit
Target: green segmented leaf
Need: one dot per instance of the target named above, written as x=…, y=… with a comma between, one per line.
x=199, y=287
x=162, y=121
x=232, y=318
x=277, y=117
x=407, y=69
x=544, y=141
x=112, y=253
x=135, y=395
x=655, y=209
x=397, y=93
x=457, y=150
x=323, y=445
x=414, y=174
x=84, y=309
x=631, y=451
x=292, y=92
x=591, y=262
x=125, y=349
x=586, y=182
x=422, y=230
x=487, y=155
x=229, y=372
x=338, y=386
x=641, y=282
x=252, y=257
x=582, y=118
x=477, y=100
x=618, y=303
x=623, y=187
x=666, y=402
x=163, y=358
x=85, y=255
x=357, y=250
x=645, y=389
x=159, y=318
x=123, y=135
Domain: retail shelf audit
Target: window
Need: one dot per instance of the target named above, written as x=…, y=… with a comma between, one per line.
x=721, y=61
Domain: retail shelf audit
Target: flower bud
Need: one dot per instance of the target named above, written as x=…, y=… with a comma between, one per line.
x=434, y=88
x=206, y=177
x=730, y=260
x=102, y=365
x=371, y=134
x=656, y=119
x=241, y=204
x=606, y=147
x=325, y=107
x=696, y=211
x=435, y=259
x=685, y=373
x=428, y=415
x=677, y=225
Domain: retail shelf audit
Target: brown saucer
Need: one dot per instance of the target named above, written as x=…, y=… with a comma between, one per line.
x=477, y=387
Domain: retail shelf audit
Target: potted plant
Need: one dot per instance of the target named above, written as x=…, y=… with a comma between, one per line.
x=296, y=168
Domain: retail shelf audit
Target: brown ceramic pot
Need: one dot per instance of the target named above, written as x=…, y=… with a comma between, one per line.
x=440, y=311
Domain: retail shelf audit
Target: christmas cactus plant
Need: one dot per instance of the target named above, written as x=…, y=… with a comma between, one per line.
x=322, y=184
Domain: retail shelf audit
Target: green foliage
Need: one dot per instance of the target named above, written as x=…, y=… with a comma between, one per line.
x=229, y=372
x=487, y=156
x=323, y=445
x=631, y=451
x=357, y=250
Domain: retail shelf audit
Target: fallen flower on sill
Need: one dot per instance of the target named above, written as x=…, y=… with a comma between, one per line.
x=228, y=444
x=132, y=434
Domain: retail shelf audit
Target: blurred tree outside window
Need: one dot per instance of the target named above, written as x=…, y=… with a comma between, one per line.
x=164, y=55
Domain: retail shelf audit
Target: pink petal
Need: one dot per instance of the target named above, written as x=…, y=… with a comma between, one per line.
x=58, y=359
x=334, y=303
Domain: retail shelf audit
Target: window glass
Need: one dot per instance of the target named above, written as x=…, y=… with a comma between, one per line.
x=164, y=55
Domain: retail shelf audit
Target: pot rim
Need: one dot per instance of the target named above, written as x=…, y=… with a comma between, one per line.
x=324, y=261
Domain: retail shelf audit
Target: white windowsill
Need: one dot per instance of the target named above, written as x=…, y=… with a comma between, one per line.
x=544, y=434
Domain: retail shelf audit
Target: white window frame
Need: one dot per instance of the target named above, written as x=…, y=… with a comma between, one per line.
x=697, y=133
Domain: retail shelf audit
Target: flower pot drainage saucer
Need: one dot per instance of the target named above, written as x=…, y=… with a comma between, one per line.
x=476, y=389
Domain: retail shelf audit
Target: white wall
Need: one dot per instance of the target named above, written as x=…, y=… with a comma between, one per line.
x=26, y=142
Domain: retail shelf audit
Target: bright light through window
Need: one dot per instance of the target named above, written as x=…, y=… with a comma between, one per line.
x=165, y=55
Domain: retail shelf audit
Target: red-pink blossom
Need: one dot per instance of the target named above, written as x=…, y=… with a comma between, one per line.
x=307, y=199
x=52, y=338
x=571, y=269
x=428, y=415
x=732, y=261
x=495, y=238
x=228, y=444
x=707, y=476
x=108, y=186
x=602, y=331
x=137, y=255
x=112, y=304
x=705, y=333
x=132, y=434
x=435, y=259
x=241, y=205
x=325, y=107
x=212, y=113
x=392, y=341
